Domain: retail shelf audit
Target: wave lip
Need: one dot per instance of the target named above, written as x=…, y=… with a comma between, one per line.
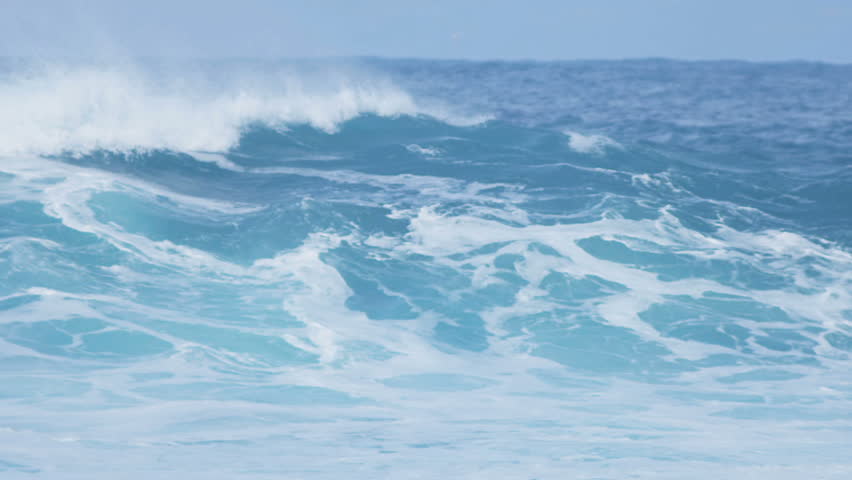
x=57, y=109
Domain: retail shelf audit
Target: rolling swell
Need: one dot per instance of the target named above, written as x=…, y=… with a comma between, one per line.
x=349, y=274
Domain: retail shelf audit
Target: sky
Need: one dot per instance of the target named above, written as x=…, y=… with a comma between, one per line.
x=759, y=30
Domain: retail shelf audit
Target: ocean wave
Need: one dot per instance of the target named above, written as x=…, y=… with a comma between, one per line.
x=58, y=108
x=316, y=257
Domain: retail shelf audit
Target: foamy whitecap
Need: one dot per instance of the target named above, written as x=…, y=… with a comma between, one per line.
x=591, y=143
x=81, y=108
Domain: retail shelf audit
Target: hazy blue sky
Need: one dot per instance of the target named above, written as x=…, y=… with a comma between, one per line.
x=540, y=29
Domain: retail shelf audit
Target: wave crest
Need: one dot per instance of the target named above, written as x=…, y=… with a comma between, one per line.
x=50, y=109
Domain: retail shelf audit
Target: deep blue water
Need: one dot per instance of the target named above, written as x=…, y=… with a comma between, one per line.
x=419, y=269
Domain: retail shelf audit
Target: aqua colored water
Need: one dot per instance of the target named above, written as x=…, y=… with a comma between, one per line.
x=400, y=269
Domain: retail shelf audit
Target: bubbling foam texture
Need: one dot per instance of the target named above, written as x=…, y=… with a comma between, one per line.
x=52, y=109
x=596, y=144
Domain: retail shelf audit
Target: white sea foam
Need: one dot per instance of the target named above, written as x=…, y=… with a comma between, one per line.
x=320, y=302
x=593, y=143
x=81, y=108
x=441, y=236
x=217, y=159
x=425, y=151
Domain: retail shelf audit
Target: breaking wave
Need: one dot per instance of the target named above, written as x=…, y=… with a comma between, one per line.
x=255, y=270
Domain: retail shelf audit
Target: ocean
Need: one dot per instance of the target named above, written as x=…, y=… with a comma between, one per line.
x=368, y=268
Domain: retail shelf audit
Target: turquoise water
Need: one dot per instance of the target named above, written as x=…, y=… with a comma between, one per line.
x=417, y=269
